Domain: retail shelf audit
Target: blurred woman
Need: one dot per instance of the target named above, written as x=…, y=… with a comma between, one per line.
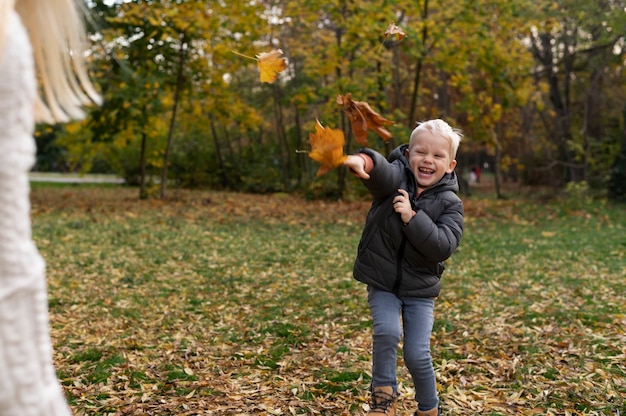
x=42, y=78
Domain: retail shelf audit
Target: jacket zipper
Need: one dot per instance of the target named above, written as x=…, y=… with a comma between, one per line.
x=396, y=284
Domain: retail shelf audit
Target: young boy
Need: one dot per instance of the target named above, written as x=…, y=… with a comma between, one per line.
x=414, y=224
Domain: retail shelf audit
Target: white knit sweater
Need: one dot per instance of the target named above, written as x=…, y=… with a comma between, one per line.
x=28, y=383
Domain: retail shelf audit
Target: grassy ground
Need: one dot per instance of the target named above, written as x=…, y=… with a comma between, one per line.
x=231, y=304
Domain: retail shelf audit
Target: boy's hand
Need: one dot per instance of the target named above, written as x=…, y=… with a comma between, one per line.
x=356, y=164
x=402, y=205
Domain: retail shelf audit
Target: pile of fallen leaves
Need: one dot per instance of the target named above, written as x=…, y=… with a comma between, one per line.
x=234, y=304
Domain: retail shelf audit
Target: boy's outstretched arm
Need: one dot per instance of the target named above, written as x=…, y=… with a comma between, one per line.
x=360, y=165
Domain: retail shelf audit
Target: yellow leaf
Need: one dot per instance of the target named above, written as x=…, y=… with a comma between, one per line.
x=270, y=64
x=327, y=148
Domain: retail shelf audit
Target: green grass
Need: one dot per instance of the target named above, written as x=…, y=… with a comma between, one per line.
x=241, y=304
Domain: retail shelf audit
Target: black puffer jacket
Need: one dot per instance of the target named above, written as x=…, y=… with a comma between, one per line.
x=407, y=260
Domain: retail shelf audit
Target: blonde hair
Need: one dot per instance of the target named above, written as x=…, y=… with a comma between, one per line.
x=57, y=36
x=442, y=129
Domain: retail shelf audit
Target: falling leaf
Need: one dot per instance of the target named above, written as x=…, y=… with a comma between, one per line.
x=363, y=118
x=270, y=65
x=392, y=29
x=326, y=148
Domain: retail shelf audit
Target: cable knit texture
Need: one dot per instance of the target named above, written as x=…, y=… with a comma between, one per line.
x=28, y=383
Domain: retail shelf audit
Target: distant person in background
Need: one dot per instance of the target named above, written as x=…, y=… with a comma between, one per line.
x=476, y=170
x=41, y=45
x=472, y=178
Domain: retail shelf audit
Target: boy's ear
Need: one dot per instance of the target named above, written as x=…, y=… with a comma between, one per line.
x=451, y=167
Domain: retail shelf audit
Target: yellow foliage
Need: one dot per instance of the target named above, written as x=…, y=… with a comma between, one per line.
x=496, y=112
x=73, y=128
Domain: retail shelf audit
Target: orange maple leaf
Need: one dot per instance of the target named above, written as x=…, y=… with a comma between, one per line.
x=327, y=148
x=270, y=64
x=392, y=29
x=363, y=118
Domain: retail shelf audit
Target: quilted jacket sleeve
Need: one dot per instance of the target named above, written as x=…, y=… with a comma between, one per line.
x=436, y=230
x=385, y=178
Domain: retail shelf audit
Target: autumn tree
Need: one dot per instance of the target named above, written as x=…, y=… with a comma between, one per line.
x=527, y=82
x=488, y=70
x=578, y=48
x=133, y=91
x=179, y=25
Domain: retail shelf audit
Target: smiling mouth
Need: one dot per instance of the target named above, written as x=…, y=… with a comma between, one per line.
x=426, y=171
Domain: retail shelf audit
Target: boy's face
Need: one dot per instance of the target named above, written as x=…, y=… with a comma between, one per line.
x=430, y=158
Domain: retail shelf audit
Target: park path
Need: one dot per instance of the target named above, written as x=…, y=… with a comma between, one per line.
x=73, y=178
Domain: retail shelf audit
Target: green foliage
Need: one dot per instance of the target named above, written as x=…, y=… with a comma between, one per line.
x=194, y=165
x=577, y=195
x=126, y=160
x=50, y=156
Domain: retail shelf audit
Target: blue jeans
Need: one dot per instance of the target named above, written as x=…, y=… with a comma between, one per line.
x=417, y=319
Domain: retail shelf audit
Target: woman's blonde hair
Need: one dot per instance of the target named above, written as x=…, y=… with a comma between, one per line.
x=57, y=36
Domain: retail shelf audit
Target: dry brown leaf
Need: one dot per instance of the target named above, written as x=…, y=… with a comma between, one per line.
x=392, y=29
x=327, y=148
x=271, y=64
x=363, y=118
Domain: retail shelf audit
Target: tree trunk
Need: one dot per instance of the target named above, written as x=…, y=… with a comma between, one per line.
x=418, y=69
x=170, y=134
x=142, y=163
x=285, y=155
x=302, y=161
x=345, y=126
x=443, y=97
x=575, y=170
x=617, y=181
x=218, y=152
x=497, y=157
x=543, y=50
x=592, y=118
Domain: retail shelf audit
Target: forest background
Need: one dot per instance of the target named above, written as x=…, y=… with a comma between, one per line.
x=538, y=88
